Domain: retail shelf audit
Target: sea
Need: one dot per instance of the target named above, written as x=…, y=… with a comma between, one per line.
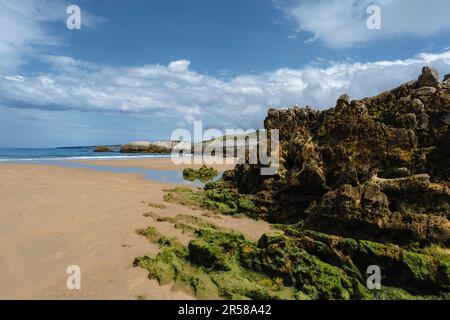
x=66, y=157
x=68, y=153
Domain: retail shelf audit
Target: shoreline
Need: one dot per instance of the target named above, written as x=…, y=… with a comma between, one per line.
x=157, y=162
x=160, y=163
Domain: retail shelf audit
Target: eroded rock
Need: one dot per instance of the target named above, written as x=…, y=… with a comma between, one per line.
x=365, y=183
x=376, y=163
x=429, y=78
x=145, y=147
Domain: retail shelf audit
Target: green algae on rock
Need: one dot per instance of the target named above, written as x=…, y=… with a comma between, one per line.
x=210, y=269
x=204, y=174
x=219, y=200
x=157, y=205
x=304, y=265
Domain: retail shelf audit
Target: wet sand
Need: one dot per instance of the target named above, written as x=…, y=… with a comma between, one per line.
x=52, y=217
x=162, y=163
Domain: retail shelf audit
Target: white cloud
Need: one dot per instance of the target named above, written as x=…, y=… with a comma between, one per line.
x=342, y=23
x=179, y=66
x=175, y=91
x=23, y=28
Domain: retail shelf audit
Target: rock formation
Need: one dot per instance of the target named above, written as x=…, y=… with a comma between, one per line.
x=103, y=149
x=203, y=174
x=146, y=147
x=364, y=183
x=376, y=168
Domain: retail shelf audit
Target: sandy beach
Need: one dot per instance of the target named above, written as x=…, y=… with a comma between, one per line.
x=52, y=217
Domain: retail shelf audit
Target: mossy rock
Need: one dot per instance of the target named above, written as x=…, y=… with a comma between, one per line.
x=320, y=264
x=204, y=174
x=228, y=251
x=221, y=201
x=437, y=251
x=299, y=265
x=209, y=256
x=219, y=250
x=419, y=273
x=185, y=228
x=280, y=257
x=157, y=205
x=210, y=268
x=165, y=267
x=151, y=233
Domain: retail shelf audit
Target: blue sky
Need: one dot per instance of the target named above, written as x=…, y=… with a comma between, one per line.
x=139, y=69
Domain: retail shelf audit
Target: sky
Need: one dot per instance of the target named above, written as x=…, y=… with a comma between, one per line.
x=139, y=69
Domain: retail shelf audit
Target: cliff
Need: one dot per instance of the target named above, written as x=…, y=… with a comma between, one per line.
x=376, y=168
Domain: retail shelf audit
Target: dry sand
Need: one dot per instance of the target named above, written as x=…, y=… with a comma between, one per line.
x=52, y=217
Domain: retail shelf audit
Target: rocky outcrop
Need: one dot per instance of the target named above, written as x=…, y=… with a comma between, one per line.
x=429, y=78
x=362, y=185
x=294, y=265
x=203, y=174
x=103, y=149
x=363, y=213
x=375, y=169
x=330, y=267
x=145, y=147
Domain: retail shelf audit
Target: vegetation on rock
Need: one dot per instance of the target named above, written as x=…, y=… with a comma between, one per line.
x=157, y=205
x=375, y=169
x=309, y=265
x=221, y=201
x=204, y=174
x=365, y=183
